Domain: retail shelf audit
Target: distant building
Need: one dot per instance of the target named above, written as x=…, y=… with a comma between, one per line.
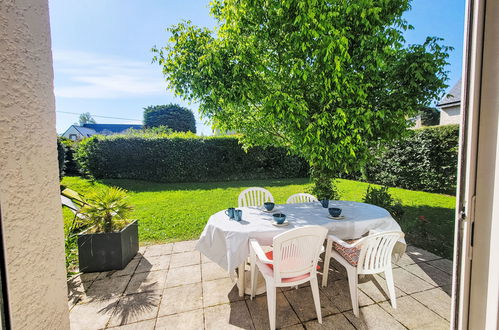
x=450, y=106
x=76, y=133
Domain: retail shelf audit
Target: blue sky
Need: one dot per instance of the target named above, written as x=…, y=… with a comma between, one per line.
x=102, y=57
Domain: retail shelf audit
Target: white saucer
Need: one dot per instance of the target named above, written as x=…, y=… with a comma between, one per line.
x=284, y=224
x=341, y=217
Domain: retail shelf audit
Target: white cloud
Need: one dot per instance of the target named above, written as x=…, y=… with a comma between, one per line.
x=94, y=76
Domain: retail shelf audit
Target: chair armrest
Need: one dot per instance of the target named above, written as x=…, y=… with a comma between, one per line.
x=255, y=246
x=342, y=242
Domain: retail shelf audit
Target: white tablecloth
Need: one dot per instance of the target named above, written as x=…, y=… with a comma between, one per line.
x=225, y=241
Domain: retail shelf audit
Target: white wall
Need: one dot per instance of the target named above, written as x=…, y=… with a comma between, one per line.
x=450, y=115
x=31, y=215
x=71, y=131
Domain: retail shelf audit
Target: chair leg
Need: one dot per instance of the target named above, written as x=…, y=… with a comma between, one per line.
x=352, y=282
x=327, y=259
x=390, y=285
x=314, y=284
x=241, y=280
x=271, y=304
x=253, y=272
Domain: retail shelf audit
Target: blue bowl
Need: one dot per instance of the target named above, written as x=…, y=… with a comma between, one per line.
x=279, y=218
x=269, y=206
x=334, y=212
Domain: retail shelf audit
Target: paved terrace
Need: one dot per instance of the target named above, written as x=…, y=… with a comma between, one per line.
x=172, y=286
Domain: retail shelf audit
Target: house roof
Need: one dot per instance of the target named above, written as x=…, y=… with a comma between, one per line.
x=85, y=131
x=453, y=97
x=110, y=128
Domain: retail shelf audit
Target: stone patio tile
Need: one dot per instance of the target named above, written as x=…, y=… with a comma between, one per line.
x=158, y=250
x=373, y=317
x=192, y=320
x=107, y=288
x=447, y=289
x=183, y=275
x=142, y=325
x=302, y=302
x=142, y=249
x=294, y=327
x=150, y=281
x=77, y=290
x=408, y=282
x=228, y=316
x=128, y=270
x=333, y=322
x=285, y=316
x=442, y=264
x=135, y=307
x=375, y=287
x=335, y=273
x=181, y=299
x=212, y=271
x=89, y=277
x=93, y=315
x=430, y=274
x=185, y=246
x=339, y=293
x=437, y=300
x=149, y=264
x=413, y=314
x=220, y=291
x=185, y=259
x=420, y=254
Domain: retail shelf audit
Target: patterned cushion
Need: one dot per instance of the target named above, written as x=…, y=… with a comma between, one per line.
x=351, y=255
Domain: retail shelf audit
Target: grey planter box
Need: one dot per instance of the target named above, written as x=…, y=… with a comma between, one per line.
x=108, y=251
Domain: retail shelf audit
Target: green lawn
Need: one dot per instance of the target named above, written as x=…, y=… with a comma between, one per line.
x=175, y=212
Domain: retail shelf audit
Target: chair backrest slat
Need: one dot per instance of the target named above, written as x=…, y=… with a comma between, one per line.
x=296, y=252
x=376, y=251
x=301, y=198
x=254, y=196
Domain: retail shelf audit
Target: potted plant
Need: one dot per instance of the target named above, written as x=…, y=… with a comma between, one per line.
x=112, y=240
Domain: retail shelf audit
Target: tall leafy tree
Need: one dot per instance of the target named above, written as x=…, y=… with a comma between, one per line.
x=326, y=79
x=173, y=116
x=86, y=118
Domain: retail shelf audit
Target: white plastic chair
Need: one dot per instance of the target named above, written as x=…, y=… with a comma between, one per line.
x=369, y=255
x=301, y=198
x=292, y=261
x=254, y=196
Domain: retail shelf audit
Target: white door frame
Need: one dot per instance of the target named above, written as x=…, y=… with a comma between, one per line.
x=476, y=258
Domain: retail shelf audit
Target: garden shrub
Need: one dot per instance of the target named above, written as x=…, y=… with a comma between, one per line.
x=424, y=160
x=71, y=167
x=183, y=158
x=61, y=151
x=173, y=116
x=382, y=198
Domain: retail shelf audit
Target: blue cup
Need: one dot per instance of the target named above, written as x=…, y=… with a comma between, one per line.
x=325, y=202
x=279, y=218
x=334, y=212
x=269, y=206
x=230, y=212
x=238, y=215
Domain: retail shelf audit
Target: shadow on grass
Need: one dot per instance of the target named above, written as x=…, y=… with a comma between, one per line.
x=430, y=228
x=146, y=186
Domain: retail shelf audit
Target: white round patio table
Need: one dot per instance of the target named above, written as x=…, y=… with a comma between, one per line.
x=226, y=242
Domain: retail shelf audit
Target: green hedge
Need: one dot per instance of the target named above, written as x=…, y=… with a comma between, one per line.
x=183, y=159
x=424, y=160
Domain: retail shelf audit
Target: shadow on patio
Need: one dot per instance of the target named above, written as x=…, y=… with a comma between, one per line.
x=172, y=286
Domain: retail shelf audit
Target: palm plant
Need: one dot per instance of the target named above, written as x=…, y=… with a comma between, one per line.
x=107, y=209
